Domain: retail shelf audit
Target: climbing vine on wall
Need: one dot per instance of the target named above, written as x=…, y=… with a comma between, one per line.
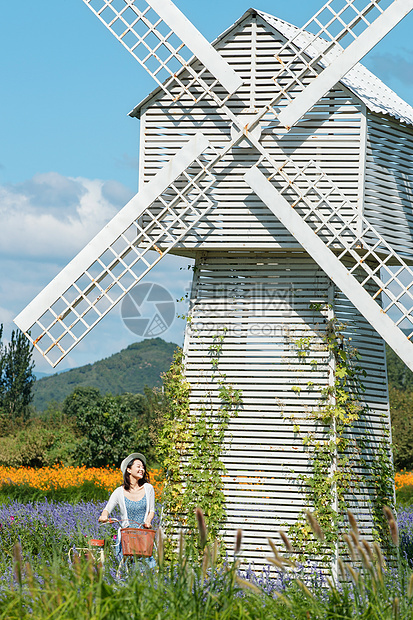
x=173, y=437
x=334, y=473
x=382, y=474
x=191, y=446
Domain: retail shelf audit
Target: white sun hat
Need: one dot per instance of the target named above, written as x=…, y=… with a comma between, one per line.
x=131, y=457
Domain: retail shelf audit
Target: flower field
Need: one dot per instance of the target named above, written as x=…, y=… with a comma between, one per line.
x=403, y=479
x=49, y=478
x=39, y=581
x=58, y=476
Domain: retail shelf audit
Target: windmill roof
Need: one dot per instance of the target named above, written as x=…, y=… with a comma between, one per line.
x=363, y=83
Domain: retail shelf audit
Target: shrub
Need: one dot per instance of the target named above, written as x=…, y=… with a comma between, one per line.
x=39, y=443
x=401, y=409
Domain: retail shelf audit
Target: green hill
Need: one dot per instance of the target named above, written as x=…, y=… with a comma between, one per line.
x=129, y=370
x=141, y=364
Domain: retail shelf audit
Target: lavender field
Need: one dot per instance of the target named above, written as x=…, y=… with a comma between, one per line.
x=35, y=573
x=45, y=531
x=405, y=523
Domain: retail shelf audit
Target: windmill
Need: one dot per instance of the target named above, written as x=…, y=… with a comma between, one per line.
x=262, y=157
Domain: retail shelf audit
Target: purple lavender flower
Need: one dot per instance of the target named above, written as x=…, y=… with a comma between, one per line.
x=405, y=523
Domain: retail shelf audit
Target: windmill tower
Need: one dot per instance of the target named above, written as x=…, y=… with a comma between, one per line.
x=282, y=166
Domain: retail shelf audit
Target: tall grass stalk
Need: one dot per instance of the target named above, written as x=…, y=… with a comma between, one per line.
x=207, y=589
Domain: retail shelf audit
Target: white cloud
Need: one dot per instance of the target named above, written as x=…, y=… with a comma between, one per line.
x=51, y=191
x=52, y=216
x=44, y=222
x=6, y=318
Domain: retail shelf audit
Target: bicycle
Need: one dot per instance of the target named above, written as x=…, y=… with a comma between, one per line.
x=95, y=549
x=136, y=543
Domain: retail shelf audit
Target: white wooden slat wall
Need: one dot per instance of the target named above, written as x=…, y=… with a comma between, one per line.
x=264, y=302
x=389, y=181
x=329, y=134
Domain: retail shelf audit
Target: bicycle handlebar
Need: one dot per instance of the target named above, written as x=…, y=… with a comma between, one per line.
x=112, y=520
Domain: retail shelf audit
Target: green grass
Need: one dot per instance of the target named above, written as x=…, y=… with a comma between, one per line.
x=83, y=593
x=86, y=492
x=38, y=583
x=190, y=591
x=404, y=496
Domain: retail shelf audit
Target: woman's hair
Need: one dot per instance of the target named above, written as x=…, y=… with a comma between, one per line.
x=126, y=475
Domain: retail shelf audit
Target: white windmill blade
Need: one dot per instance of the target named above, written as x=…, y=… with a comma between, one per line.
x=350, y=251
x=163, y=41
x=121, y=254
x=340, y=34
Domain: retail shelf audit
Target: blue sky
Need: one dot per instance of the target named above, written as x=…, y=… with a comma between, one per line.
x=69, y=152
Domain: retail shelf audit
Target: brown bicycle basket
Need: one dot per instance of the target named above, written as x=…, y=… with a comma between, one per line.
x=137, y=541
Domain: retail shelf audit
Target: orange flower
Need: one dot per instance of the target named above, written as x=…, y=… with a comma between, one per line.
x=59, y=476
x=403, y=478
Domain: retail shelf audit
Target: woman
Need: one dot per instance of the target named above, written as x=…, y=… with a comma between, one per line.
x=135, y=498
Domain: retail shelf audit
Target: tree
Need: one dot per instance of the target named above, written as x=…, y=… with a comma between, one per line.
x=2, y=364
x=399, y=375
x=80, y=399
x=108, y=425
x=107, y=429
x=157, y=408
x=16, y=377
x=401, y=409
